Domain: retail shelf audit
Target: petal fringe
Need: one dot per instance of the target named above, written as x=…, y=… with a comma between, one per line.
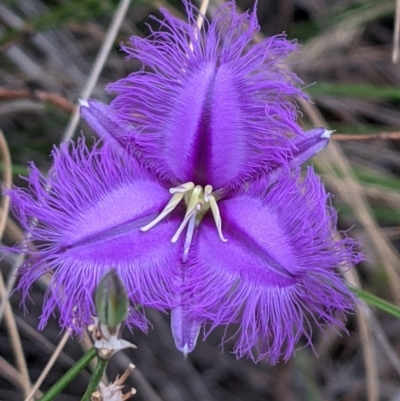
x=89, y=212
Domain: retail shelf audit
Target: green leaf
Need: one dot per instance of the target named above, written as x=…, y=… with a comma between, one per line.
x=364, y=91
x=368, y=176
x=379, y=303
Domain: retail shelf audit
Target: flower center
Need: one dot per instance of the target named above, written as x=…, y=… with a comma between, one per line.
x=198, y=201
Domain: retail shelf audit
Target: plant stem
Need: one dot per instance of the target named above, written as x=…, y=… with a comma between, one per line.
x=95, y=379
x=63, y=382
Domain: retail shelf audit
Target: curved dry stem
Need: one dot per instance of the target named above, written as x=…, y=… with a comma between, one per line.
x=49, y=365
x=7, y=181
x=367, y=341
x=52, y=98
x=16, y=345
x=9, y=316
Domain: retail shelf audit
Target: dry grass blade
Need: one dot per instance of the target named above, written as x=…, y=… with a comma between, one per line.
x=202, y=13
x=98, y=65
x=16, y=345
x=19, y=260
x=10, y=373
x=7, y=181
x=49, y=365
x=396, y=34
x=10, y=320
x=86, y=344
x=368, y=346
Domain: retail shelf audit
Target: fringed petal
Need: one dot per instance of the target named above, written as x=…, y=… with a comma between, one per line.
x=277, y=271
x=307, y=146
x=89, y=212
x=210, y=107
x=109, y=126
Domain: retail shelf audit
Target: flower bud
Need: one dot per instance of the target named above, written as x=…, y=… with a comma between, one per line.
x=111, y=300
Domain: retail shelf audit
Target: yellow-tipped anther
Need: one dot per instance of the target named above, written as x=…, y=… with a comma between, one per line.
x=171, y=205
x=217, y=216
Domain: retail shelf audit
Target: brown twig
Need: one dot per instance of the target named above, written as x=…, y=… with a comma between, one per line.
x=366, y=137
x=52, y=98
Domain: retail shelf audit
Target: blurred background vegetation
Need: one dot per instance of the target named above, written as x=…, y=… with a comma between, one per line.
x=47, y=49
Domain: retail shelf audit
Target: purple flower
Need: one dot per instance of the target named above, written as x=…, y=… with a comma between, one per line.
x=195, y=197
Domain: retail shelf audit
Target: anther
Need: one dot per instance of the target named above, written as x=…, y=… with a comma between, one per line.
x=189, y=186
x=217, y=217
x=178, y=194
x=171, y=205
x=209, y=198
x=189, y=237
x=207, y=192
x=185, y=221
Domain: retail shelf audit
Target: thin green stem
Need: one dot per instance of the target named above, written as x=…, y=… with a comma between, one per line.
x=377, y=302
x=63, y=382
x=95, y=379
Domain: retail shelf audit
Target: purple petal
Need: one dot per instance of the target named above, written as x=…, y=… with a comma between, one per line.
x=307, y=146
x=108, y=125
x=185, y=330
x=277, y=270
x=213, y=109
x=90, y=210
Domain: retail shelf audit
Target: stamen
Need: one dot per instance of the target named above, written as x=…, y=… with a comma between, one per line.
x=207, y=192
x=185, y=221
x=189, y=237
x=209, y=198
x=188, y=186
x=217, y=216
x=171, y=205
